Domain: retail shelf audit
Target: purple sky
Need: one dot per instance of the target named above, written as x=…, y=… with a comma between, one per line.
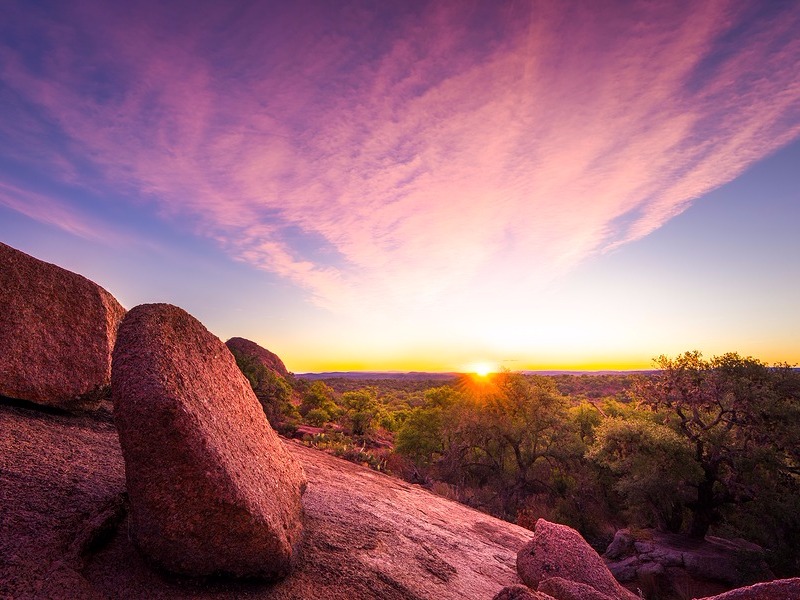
x=419, y=185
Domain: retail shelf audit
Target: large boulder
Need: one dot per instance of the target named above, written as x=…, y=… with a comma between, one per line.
x=57, y=331
x=212, y=489
x=780, y=589
x=560, y=551
x=268, y=359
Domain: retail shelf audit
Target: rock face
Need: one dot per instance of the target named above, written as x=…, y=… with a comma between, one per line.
x=678, y=561
x=781, y=589
x=368, y=536
x=212, y=489
x=61, y=489
x=57, y=331
x=265, y=357
x=560, y=551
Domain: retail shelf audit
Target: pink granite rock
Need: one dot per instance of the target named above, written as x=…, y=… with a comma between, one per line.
x=57, y=331
x=560, y=551
x=780, y=589
x=268, y=359
x=564, y=589
x=212, y=489
x=520, y=592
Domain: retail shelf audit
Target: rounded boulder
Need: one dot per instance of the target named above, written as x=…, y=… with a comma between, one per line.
x=211, y=487
x=57, y=330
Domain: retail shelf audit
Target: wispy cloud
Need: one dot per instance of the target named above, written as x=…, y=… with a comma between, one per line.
x=396, y=158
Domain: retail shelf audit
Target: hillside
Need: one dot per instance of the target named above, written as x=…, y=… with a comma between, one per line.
x=64, y=528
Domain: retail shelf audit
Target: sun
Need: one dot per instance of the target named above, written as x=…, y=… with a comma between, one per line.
x=482, y=369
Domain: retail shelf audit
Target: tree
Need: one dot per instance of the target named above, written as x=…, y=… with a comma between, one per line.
x=362, y=410
x=734, y=412
x=515, y=437
x=425, y=435
x=652, y=467
x=318, y=405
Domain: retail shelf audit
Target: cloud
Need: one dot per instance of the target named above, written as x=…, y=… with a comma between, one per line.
x=45, y=209
x=397, y=159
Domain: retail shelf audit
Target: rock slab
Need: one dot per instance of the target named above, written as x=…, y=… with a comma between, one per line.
x=212, y=489
x=560, y=551
x=57, y=331
x=780, y=589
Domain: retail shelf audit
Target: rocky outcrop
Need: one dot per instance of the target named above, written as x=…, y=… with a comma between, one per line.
x=57, y=331
x=271, y=361
x=211, y=487
x=781, y=589
x=676, y=561
x=61, y=494
x=560, y=551
x=367, y=536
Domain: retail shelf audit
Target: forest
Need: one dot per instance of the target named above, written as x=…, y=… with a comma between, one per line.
x=697, y=446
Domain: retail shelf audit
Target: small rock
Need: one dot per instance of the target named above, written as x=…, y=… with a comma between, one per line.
x=520, y=592
x=560, y=551
x=625, y=570
x=621, y=545
x=563, y=589
x=212, y=489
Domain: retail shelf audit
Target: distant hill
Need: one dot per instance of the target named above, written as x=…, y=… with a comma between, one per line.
x=377, y=375
x=423, y=376
x=589, y=373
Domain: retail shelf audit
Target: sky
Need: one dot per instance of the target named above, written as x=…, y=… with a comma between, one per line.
x=419, y=185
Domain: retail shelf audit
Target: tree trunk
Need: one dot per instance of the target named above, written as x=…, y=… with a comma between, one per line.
x=704, y=508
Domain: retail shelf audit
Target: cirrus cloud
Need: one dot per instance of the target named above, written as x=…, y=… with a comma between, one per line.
x=390, y=158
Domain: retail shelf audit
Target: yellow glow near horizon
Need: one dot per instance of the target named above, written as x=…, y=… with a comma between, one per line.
x=482, y=369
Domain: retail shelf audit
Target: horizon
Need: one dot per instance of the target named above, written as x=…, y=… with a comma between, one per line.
x=431, y=187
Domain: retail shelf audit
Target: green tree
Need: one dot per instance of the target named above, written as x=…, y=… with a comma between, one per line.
x=361, y=410
x=513, y=436
x=420, y=437
x=652, y=467
x=731, y=410
x=587, y=417
x=318, y=404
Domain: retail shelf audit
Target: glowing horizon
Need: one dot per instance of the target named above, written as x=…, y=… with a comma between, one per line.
x=373, y=186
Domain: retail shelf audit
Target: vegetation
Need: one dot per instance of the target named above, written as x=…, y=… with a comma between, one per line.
x=696, y=446
x=273, y=392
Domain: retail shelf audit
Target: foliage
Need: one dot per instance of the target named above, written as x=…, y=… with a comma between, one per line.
x=342, y=446
x=735, y=413
x=272, y=390
x=422, y=436
x=693, y=445
x=321, y=399
x=652, y=466
x=506, y=435
x=361, y=410
x=587, y=417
